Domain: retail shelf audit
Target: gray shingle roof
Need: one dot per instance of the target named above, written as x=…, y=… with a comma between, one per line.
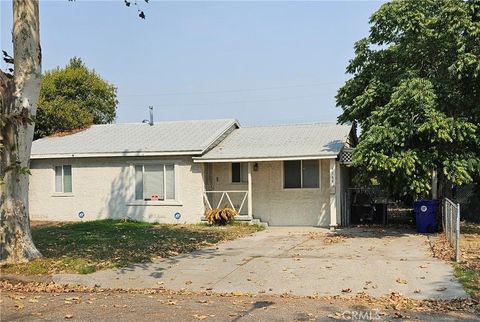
x=176, y=137
x=283, y=141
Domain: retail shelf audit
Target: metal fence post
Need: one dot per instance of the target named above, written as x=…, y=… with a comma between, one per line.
x=451, y=227
x=457, y=235
x=445, y=229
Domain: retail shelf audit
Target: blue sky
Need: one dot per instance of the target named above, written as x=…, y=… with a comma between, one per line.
x=260, y=62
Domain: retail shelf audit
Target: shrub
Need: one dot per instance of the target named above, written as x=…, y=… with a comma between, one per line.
x=220, y=216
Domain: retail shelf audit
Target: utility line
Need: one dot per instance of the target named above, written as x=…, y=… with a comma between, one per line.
x=231, y=90
x=233, y=102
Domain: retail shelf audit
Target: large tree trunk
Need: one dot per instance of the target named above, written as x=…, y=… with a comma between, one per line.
x=19, y=97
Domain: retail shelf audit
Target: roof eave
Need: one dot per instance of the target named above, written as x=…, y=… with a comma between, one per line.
x=112, y=154
x=221, y=133
x=261, y=159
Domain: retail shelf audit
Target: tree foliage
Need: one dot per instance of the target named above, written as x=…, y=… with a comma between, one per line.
x=415, y=92
x=73, y=97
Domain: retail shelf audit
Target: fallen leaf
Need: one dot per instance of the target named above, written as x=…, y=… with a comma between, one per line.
x=200, y=317
x=416, y=291
x=33, y=301
x=401, y=281
x=19, y=305
x=237, y=293
x=346, y=290
x=75, y=298
x=441, y=289
x=68, y=316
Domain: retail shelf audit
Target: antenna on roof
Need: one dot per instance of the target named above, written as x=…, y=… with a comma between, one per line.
x=151, y=116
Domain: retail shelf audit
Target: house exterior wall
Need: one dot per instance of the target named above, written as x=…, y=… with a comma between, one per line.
x=104, y=188
x=341, y=192
x=274, y=204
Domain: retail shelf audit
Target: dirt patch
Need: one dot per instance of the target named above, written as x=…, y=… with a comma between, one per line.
x=468, y=270
x=42, y=223
x=470, y=245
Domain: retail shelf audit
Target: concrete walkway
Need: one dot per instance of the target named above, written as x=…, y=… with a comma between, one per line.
x=296, y=261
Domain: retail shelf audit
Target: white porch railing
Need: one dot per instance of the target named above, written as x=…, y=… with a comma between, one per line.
x=225, y=197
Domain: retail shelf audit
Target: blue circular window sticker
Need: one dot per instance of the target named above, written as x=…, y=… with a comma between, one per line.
x=423, y=208
x=81, y=214
x=177, y=215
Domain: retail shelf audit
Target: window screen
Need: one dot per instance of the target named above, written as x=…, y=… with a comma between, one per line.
x=240, y=172
x=155, y=182
x=301, y=174
x=58, y=179
x=170, y=181
x=139, y=182
x=236, y=172
x=310, y=173
x=67, y=178
x=244, y=172
x=292, y=174
x=63, y=178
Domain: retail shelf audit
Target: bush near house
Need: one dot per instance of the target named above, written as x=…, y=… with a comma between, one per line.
x=89, y=246
x=220, y=216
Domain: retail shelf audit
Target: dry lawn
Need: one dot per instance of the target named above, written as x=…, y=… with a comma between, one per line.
x=468, y=270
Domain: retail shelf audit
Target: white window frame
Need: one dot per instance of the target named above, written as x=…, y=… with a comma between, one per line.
x=54, y=183
x=242, y=164
x=301, y=175
x=166, y=202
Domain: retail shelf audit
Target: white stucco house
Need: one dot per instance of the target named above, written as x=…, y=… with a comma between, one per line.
x=171, y=172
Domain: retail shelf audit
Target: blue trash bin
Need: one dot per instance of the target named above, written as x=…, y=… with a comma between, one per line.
x=426, y=215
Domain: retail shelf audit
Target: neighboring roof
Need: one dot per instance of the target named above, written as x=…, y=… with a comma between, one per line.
x=297, y=141
x=162, y=138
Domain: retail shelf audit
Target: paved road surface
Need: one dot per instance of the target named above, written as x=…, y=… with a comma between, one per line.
x=159, y=307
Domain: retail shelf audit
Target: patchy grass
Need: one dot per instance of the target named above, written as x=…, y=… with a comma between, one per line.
x=470, y=280
x=90, y=246
x=468, y=270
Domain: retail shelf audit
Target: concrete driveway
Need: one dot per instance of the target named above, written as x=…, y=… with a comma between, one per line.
x=299, y=262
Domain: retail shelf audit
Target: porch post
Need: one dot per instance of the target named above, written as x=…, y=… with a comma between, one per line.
x=333, y=185
x=249, y=189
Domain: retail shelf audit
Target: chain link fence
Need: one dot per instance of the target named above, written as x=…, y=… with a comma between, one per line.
x=468, y=196
x=451, y=224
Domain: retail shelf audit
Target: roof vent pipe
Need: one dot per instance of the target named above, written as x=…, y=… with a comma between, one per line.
x=151, y=115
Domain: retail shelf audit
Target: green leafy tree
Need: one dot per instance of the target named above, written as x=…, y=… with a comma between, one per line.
x=73, y=97
x=415, y=92
x=19, y=93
